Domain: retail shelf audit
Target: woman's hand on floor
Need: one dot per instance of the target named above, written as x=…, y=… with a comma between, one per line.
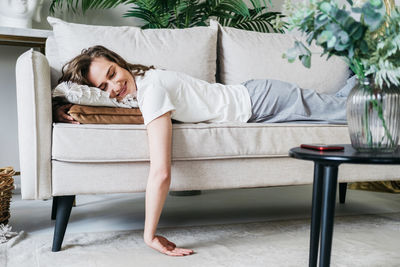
x=60, y=114
x=165, y=246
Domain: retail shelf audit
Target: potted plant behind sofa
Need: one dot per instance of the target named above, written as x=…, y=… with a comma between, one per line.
x=368, y=38
x=188, y=13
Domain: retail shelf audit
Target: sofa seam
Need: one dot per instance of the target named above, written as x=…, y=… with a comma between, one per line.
x=35, y=135
x=200, y=128
x=173, y=159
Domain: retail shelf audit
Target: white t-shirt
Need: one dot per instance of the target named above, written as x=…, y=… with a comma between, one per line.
x=190, y=99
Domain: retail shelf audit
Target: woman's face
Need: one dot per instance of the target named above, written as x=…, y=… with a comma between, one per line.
x=110, y=77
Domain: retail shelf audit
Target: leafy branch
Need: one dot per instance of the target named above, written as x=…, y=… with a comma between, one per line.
x=366, y=37
x=337, y=31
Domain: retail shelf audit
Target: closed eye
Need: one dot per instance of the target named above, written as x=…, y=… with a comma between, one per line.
x=110, y=76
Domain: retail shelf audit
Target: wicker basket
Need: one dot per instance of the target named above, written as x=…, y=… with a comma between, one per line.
x=6, y=187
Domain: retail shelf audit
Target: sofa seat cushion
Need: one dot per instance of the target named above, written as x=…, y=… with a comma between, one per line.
x=128, y=143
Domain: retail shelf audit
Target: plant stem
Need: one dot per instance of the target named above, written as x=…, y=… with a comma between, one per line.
x=367, y=130
x=378, y=107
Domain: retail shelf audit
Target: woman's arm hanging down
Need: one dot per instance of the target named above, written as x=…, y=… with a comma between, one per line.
x=159, y=133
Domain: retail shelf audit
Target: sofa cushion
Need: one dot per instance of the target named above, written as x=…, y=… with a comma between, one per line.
x=71, y=178
x=128, y=143
x=191, y=50
x=245, y=55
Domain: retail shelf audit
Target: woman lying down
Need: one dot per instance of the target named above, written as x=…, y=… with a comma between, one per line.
x=164, y=95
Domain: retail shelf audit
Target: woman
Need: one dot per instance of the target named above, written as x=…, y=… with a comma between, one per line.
x=165, y=95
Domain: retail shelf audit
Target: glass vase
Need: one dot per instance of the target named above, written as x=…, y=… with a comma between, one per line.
x=373, y=117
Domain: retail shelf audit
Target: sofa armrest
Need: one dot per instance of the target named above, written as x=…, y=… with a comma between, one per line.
x=34, y=124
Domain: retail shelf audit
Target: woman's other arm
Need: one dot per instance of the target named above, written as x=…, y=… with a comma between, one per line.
x=159, y=133
x=60, y=112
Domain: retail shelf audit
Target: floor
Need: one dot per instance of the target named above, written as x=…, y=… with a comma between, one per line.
x=98, y=213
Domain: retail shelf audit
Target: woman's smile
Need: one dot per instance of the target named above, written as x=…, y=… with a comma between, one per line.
x=122, y=92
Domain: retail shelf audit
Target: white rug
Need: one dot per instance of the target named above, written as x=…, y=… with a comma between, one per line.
x=370, y=240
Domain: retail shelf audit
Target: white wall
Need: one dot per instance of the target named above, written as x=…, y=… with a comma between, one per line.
x=8, y=108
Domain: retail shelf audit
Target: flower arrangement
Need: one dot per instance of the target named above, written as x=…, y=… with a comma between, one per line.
x=367, y=36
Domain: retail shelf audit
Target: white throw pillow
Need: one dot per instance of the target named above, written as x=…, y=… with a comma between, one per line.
x=192, y=51
x=90, y=96
x=245, y=55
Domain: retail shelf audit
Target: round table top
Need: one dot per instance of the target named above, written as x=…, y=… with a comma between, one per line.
x=348, y=155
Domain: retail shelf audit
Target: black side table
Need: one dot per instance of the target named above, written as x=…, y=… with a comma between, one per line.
x=326, y=165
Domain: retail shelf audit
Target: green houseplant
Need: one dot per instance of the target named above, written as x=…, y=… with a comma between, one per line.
x=188, y=13
x=367, y=37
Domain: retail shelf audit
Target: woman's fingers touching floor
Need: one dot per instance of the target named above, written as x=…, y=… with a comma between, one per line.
x=167, y=247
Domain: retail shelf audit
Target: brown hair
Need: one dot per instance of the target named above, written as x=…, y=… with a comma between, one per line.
x=77, y=69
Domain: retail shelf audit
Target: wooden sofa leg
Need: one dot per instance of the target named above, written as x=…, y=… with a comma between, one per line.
x=342, y=192
x=63, y=207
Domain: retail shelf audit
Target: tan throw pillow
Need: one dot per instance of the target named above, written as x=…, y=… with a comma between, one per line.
x=105, y=115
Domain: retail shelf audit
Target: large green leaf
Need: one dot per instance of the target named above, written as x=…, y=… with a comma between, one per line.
x=301, y=51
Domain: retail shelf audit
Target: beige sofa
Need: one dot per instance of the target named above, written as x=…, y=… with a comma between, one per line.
x=63, y=160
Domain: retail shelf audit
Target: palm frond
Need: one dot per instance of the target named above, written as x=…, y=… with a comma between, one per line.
x=186, y=13
x=384, y=60
x=151, y=12
x=227, y=7
x=387, y=72
x=259, y=20
x=55, y=4
x=72, y=5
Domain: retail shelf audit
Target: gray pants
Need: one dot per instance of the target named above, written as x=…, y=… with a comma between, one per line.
x=278, y=101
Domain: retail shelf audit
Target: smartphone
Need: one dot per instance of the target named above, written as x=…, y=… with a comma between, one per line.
x=322, y=147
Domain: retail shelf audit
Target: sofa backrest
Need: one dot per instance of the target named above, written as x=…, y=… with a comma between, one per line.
x=245, y=55
x=242, y=55
x=191, y=50
x=54, y=60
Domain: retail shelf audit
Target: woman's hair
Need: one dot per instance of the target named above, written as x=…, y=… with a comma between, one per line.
x=77, y=69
